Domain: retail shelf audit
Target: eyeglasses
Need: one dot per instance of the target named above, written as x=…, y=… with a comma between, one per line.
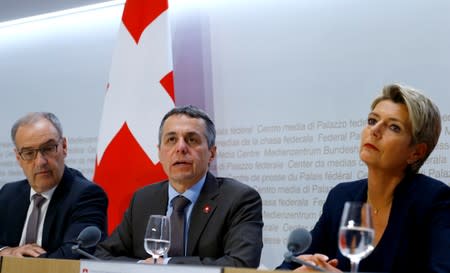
x=29, y=154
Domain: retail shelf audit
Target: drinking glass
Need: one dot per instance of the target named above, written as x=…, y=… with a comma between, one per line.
x=157, y=236
x=356, y=232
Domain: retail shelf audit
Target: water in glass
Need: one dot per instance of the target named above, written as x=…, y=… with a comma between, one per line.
x=356, y=232
x=157, y=236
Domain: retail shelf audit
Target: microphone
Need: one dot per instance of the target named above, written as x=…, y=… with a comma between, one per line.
x=87, y=238
x=298, y=241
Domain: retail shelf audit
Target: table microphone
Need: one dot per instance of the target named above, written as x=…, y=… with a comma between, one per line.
x=299, y=240
x=88, y=237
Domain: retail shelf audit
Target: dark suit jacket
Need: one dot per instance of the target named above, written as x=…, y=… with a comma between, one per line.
x=417, y=236
x=230, y=234
x=76, y=203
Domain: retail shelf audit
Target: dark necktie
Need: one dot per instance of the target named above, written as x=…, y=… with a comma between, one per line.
x=177, y=226
x=33, y=221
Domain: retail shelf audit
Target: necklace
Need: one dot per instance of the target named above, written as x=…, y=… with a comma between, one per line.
x=377, y=210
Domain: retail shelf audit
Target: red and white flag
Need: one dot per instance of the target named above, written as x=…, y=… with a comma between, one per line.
x=140, y=91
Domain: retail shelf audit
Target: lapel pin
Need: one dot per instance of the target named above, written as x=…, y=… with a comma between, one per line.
x=206, y=209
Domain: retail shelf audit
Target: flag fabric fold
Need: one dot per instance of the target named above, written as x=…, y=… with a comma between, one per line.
x=140, y=91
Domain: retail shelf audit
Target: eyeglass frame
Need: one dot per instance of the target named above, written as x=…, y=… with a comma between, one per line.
x=35, y=151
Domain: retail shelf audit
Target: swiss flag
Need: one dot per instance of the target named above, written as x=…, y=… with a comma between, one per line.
x=139, y=93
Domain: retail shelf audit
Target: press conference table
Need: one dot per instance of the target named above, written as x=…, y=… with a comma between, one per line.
x=26, y=265
x=36, y=265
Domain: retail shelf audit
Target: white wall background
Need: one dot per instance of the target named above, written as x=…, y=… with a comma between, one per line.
x=274, y=74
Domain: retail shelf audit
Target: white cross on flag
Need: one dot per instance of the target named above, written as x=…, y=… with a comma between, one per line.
x=140, y=91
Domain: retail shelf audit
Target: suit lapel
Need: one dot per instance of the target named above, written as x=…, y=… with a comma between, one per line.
x=158, y=201
x=396, y=223
x=203, y=210
x=20, y=206
x=60, y=194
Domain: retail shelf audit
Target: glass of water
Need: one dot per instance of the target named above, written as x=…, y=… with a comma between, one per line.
x=356, y=232
x=157, y=236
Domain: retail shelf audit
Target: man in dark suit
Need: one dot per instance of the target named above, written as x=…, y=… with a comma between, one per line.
x=68, y=202
x=223, y=216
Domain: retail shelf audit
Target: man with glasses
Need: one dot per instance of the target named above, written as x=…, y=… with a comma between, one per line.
x=42, y=215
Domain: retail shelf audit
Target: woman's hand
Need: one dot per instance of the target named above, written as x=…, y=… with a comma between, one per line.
x=319, y=260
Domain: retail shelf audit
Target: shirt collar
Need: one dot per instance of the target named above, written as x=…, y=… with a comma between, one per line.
x=47, y=194
x=192, y=193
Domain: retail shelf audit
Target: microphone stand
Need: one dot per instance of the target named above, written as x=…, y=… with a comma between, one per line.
x=76, y=248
